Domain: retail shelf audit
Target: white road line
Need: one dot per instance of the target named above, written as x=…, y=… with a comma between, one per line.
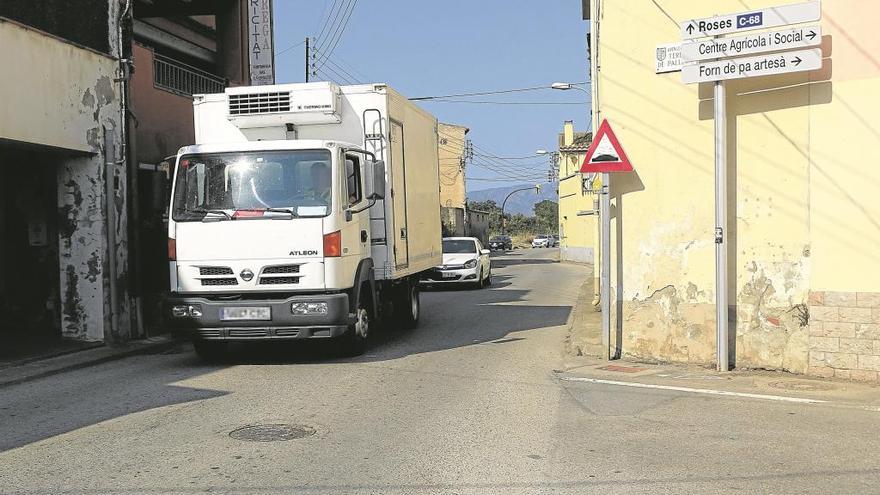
x=705, y=391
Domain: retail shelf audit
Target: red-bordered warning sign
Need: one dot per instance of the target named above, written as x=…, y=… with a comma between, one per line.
x=606, y=154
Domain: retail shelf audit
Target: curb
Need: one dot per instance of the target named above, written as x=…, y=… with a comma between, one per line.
x=54, y=365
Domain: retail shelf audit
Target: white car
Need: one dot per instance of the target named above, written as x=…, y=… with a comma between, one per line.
x=465, y=260
x=541, y=241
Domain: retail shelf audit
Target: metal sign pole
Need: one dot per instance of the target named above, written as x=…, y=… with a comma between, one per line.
x=605, y=271
x=721, y=225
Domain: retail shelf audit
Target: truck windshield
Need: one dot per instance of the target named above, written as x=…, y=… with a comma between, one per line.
x=225, y=183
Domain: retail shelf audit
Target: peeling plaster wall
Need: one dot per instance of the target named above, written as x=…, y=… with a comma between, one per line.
x=65, y=97
x=801, y=197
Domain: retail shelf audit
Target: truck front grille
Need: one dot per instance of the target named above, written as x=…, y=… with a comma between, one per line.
x=281, y=269
x=215, y=270
x=259, y=103
x=278, y=280
x=219, y=281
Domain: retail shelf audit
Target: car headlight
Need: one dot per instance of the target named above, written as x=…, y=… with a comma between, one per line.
x=471, y=264
x=309, y=308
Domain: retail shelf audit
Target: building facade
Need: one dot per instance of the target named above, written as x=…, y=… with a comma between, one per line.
x=100, y=94
x=62, y=153
x=577, y=230
x=802, y=203
x=452, y=151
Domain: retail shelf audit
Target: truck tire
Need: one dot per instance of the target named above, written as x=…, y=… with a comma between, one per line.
x=354, y=341
x=211, y=351
x=407, y=306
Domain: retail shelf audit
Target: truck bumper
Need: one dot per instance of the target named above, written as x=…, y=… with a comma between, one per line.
x=283, y=324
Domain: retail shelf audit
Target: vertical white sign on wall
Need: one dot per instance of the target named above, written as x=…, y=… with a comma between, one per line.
x=261, y=42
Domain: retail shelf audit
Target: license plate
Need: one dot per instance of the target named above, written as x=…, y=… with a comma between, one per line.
x=449, y=275
x=246, y=313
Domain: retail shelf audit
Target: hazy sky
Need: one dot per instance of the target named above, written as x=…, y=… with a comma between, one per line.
x=458, y=46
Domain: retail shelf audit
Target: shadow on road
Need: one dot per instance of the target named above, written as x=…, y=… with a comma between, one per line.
x=451, y=318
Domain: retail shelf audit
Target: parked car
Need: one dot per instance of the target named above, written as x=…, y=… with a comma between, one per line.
x=501, y=242
x=555, y=239
x=541, y=241
x=465, y=260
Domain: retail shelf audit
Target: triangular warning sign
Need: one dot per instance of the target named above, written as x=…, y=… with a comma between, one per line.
x=606, y=154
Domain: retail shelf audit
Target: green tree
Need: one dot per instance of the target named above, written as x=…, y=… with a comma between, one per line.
x=547, y=216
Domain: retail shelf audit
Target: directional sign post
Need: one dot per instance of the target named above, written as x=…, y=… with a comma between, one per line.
x=756, y=19
x=786, y=39
x=714, y=65
x=761, y=65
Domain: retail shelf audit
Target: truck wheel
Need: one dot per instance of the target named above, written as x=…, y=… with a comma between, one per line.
x=354, y=342
x=407, y=305
x=211, y=351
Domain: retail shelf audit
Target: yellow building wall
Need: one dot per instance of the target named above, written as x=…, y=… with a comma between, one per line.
x=577, y=234
x=452, y=176
x=804, y=213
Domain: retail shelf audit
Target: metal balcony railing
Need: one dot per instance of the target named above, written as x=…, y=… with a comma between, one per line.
x=178, y=77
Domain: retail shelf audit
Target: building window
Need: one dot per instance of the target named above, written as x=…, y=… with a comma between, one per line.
x=178, y=77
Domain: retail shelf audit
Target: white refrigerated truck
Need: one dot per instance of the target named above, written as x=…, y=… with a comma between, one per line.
x=303, y=211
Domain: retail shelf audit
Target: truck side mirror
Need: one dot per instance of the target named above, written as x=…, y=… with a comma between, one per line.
x=378, y=185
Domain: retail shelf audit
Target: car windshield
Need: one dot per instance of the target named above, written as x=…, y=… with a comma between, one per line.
x=541, y=237
x=458, y=246
x=496, y=239
x=247, y=181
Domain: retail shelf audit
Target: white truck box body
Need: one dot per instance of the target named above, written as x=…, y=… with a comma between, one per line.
x=405, y=226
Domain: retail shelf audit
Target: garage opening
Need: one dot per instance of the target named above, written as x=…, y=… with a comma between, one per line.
x=30, y=313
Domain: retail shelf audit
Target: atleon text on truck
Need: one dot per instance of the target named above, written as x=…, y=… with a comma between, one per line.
x=303, y=211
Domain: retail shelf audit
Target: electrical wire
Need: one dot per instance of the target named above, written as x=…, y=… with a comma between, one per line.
x=343, y=24
x=328, y=22
x=512, y=102
x=496, y=92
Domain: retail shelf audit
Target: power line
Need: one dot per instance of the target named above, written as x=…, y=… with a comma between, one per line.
x=327, y=22
x=512, y=102
x=291, y=47
x=339, y=68
x=343, y=24
x=496, y=92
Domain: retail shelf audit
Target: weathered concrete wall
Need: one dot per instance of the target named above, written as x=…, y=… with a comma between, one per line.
x=803, y=208
x=65, y=97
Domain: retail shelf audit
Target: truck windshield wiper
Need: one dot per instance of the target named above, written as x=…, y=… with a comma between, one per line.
x=207, y=212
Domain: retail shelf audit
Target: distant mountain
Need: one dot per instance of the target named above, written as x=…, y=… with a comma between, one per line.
x=521, y=202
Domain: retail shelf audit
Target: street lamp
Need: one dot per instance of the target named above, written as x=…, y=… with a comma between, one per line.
x=605, y=251
x=537, y=189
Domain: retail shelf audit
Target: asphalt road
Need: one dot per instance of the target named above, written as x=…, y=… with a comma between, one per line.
x=468, y=403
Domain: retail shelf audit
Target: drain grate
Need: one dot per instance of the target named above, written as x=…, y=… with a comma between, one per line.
x=271, y=433
x=802, y=386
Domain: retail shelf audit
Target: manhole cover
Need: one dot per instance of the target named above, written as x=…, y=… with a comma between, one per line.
x=803, y=386
x=271, y=433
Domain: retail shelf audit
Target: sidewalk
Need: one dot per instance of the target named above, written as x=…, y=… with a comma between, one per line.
x=762, y=385
x=33, y=369
x=583, y=364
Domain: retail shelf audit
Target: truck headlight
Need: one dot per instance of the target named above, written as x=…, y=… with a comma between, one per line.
x=186, y=310
x=309, y=308
x=471, y=264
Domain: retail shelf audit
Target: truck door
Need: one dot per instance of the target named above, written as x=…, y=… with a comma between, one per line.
x=398, y=195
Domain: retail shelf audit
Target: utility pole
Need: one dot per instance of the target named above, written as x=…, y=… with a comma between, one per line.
x=307, y=60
